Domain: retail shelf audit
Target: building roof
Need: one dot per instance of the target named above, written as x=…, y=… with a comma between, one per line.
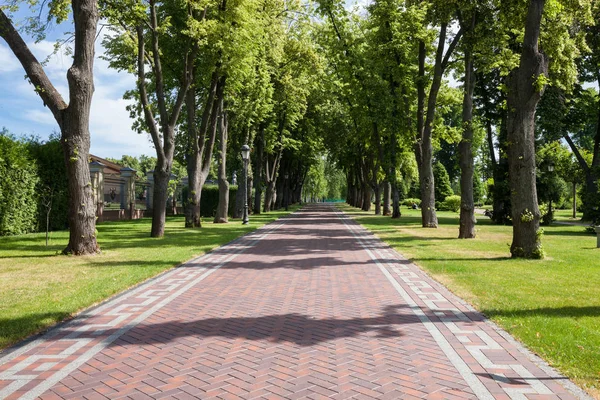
x=109, y=166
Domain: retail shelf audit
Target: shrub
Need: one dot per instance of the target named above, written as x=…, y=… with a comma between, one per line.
x=18, y=196
x=452, y=203
x=53, y=182
x=209, y=199
x=409, y=202
x=443, y=188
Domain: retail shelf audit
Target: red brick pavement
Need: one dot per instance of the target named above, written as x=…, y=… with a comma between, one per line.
x=312, y=306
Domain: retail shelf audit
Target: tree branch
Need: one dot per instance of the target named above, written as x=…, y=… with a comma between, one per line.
x=34, y=70
x=150, y=121
x=158, y=74
x=451, y=48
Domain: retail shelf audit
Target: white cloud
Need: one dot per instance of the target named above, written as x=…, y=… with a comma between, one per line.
x=110, y=128
x=110, y=125
x=43, y=117
x=8, y=62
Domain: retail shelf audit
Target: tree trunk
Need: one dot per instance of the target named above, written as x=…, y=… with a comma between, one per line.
x=223, y=206
x=249, y=192
x=426, y=180
x=82, y=210
x=523, y=96
x=73, y=119
x=396, y=213
x=465, y=149
x=387, y=198
x=192, y=211
x=377, y=190
x=162, y=175
x=202, y=146
x=366, y=194
x=258, y=171
x=574, y=200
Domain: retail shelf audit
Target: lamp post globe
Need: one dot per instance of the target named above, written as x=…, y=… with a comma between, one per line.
x=245, y=158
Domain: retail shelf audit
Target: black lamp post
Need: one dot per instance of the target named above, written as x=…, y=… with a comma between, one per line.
x=287, y=190
x=245, y=158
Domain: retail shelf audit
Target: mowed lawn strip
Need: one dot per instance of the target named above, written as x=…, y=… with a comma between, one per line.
x=551, y=305
x=40, y=288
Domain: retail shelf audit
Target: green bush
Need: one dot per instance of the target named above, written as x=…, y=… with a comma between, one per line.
x=443, y=188
x=451, y=203
x=409, y=202
x=209, y=199
x=18, y=182
x=53, y=182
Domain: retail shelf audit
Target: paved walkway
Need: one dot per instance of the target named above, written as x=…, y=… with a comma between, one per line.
x=311, y=306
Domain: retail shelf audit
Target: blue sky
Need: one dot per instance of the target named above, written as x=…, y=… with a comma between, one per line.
x=23, y=113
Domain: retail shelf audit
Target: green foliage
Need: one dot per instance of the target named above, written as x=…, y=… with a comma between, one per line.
x=336, y=181
x=18, y=184
x=209, y=199
x=315, y=185
x=410, y=201
x=479, y=189
x=443, y=188
x=52, y=186
x=451, y=203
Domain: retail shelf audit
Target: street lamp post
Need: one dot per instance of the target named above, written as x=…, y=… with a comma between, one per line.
x=245, y=158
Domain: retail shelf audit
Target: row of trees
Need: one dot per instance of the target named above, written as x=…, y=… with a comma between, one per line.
x=390, y=64
x=368, y=88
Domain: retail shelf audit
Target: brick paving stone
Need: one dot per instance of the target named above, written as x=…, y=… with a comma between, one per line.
x=311, y=306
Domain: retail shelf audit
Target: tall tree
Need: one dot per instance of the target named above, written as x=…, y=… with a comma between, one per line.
x=143, y=37
x=426, y=116
x=465, y=148
x=72, y=118
x=525, y=88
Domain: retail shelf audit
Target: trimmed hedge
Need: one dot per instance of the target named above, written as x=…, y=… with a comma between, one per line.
x=18, y=184
x=209, y=199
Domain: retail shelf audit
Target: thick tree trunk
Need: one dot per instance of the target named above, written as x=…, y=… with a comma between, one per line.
x=162, y=175
x=387, y=198
x=73, y=119
x=465, y=149
x=377, y=190
x=523, y=96
x=366, y=194
x=396, y=213
x=269, y=196
x=82, y=211
x=223, y=206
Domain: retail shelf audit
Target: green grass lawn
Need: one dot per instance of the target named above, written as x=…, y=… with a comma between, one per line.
x=40, y=287
x=567, y=215
x=551, y=305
